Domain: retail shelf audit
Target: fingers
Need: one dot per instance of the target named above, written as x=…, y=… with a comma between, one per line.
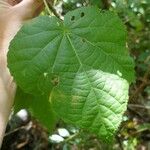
x=12, y=18
x=4, y=5
x=23, y=9
x=13, y=2
x=28, y=9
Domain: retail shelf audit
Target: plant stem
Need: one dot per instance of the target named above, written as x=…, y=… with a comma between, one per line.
x=47, y=7
x=72, y=137
x=50, y=8
x=53, y=9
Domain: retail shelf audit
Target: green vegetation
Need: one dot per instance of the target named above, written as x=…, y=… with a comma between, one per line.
x=78, y=69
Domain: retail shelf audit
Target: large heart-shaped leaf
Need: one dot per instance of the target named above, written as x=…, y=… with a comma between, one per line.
x=83, y=62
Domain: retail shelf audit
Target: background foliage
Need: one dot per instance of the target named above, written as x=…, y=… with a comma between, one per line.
x=134, y=132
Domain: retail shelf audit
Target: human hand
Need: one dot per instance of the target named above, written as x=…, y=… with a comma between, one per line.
x=12, y=15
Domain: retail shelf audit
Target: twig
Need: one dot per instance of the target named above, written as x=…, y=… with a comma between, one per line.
x=25, y=127
x=71, y=137
x=145, y=82
x=138, y=106
x=136, y=112
x=15, y=130
x=47, y=7
x=119, y=142
x=51, y=8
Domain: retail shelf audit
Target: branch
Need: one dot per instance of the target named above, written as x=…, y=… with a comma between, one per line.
x=50, y=7
x=145, y=82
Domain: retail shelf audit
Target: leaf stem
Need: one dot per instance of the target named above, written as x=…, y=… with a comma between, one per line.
x=53, y=9
x=47, y=7
x=50, y=8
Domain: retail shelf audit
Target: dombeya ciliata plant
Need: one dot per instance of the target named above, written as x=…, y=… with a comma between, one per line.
x=78, y=68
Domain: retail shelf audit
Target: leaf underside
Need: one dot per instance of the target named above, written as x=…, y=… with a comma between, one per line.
x=38, y=106
x=83, y=62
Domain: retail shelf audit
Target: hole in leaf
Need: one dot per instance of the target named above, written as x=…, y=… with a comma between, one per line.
x=83, y=40
x=82, y=14
x=72, y=18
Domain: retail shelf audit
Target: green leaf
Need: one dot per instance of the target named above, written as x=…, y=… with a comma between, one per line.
x=39, y=107
x=95, y=101
x=82, y=61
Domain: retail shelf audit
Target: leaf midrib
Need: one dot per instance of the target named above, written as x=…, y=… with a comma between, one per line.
x=92, y=88
x=101, y=49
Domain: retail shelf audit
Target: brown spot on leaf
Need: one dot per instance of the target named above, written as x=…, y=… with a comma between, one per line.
x=55, y=80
